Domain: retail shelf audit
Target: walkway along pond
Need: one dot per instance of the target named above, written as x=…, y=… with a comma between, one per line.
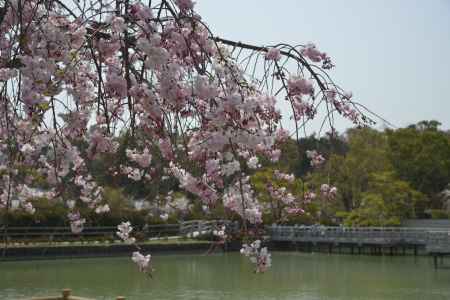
x=377, y=240
x=361, y=240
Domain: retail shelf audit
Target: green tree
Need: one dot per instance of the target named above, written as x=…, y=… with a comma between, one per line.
x=367, y=153
x=420, y=155
x=386, y=202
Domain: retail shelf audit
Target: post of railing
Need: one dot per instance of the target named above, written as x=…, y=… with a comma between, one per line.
x=66, y=294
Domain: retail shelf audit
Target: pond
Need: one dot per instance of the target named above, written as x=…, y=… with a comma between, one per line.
x=294, y=275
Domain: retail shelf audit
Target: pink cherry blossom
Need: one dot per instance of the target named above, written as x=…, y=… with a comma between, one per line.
x=312, y=53
x=300, y=86
x=258, y=255
x=329, y=192
x=142, y=261
x=273, y=54
x=185, y=4
x=316, y=158
x=77, y=84
x=124, y=230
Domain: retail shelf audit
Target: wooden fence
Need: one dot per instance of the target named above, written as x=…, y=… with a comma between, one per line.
x=63, y=234
x=202, y=227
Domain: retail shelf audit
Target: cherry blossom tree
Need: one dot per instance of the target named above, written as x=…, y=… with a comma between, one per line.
x=74, y=74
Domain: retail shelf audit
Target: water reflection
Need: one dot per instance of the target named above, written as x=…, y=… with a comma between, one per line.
x=293, y=276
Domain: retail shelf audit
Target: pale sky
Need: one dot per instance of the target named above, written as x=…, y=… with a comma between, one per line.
x=394, y=55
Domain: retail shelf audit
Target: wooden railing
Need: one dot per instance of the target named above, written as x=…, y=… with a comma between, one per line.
x=161, y=230
x=58, y=234
x=54, y=234
x=63, y=234
x=205, y=227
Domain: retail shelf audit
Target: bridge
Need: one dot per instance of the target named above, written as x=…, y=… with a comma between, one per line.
x=435, y=241
x=431, y=239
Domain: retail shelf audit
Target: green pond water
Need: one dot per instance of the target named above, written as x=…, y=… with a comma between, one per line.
x=301, y=276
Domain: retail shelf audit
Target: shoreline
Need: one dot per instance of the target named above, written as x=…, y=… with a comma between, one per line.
x=180, y=246
x=25, y=253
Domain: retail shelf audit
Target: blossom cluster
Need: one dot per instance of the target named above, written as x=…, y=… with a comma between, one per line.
x=283, y=176
x=329, y=192
x=316, y=158
x=273, y=54
x=123, y=231
x=142, y=261
x=258, y=255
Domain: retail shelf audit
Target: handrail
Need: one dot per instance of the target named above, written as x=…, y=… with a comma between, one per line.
x=359, y=228
x=149, y=230
x=59, y=233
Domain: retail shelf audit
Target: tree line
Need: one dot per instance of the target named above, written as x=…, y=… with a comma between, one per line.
x=381, y=176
